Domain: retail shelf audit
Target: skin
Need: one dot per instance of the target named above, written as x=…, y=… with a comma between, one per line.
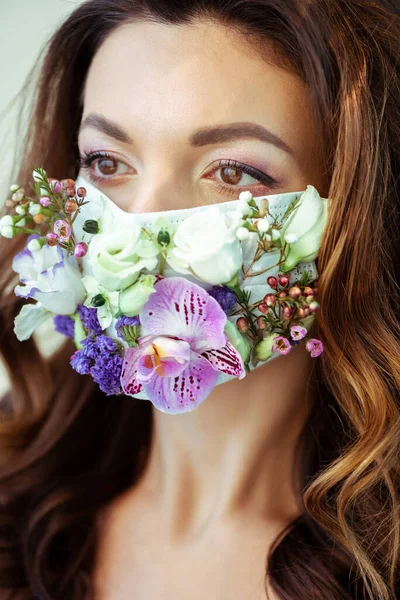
x=221, y=482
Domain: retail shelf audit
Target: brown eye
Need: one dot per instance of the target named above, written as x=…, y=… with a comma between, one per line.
x=230, y=175
x=107, y=166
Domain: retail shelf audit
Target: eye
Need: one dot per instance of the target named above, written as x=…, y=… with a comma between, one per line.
x=234, y=175
x=102, y=165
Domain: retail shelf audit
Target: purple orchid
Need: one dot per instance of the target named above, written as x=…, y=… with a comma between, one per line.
x=177, y=362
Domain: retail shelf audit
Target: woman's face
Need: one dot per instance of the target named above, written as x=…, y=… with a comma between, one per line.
x=181, y=116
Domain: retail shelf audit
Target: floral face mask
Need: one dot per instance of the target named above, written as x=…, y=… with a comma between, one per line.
x=164, y=306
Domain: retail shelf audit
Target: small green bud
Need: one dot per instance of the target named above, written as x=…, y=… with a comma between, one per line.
x=91, y=226
x=163, y=237
x=98, y=300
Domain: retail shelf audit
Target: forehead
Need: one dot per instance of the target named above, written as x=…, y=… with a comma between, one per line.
x=159, y=80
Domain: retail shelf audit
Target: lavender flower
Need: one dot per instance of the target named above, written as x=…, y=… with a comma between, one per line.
x=100, y=358
x=225, y=297
x=127, y=329
x=65, y=325
x=89, y=319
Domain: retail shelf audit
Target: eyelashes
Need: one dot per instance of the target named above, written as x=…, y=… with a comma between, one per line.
x=88, y=160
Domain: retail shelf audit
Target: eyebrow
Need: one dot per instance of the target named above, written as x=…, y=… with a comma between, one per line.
x=201, y=137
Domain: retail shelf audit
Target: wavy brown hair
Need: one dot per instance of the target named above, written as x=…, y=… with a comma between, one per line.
x=59, y=463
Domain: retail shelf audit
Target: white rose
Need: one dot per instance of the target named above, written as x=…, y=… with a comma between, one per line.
x=304, y=228
x=117, y=257
x=206, y=246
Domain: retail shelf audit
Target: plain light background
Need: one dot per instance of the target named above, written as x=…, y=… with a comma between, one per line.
x=25, y=28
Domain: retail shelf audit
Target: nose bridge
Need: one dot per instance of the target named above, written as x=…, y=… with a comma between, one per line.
x=161, y=185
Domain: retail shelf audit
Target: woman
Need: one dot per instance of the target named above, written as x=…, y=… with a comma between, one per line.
x=283, y=485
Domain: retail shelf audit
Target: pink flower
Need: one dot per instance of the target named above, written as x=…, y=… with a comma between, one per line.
x=297, y=332
x=281, y=345
x=62, y=229
x=314, y=347
x=178, y=362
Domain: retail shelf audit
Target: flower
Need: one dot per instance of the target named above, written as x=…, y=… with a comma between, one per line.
x=127, y=329
x=307, y=222
x=264, y=349
x=178, y=361
x=65, y=325
x=117, y=257
x=314, y=347
x=62, y=229
x=100, y=358
x=225, y=297
x=132, y=298
x=105, y=302
x=89, y=319
x=49, y=276
x=281, y=344
x=297, y=332
x=206, y=246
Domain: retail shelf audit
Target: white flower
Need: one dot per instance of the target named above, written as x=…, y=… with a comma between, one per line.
x=275, y=235
x=6, y=221
x=206, y=246
x=117, y=257
x=108, y=307
x=246, y=196
x=134, y=297
x=7, y=232
x=307, y=222
x=242, y=233
x=29, y=319
x=34, y=245
x=50, y=277
x=263, y=225
x=14, y=187
x=291, y=238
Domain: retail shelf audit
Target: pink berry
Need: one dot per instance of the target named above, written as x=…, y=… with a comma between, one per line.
x=80, y=249
x=242, y=324
x=282, y=294
x=70, y=206
x=308, y=291
x=303, y=312
x=263, y=308
x=272, y=282
x=81, y=191
x=314, y=306
x=269, y=300
x=52, y=239
x=283, y=280
x=261, y=322
x=287, y=312
x=295, y=292
x=45, y=201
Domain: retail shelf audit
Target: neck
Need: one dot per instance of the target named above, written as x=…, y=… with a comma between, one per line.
x=235, y=454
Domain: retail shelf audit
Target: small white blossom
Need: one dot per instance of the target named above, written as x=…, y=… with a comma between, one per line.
x=7, y=232
x=20, y=210
x=275, y=235
x=242, y=233
x=34, y=208
x=263, y=225
x=34, y=245
x=291, y=238
x=20, y=223
x=6, y=221
x=18, y=196
x=246, y=196
x=243, y=208
x=14, y=187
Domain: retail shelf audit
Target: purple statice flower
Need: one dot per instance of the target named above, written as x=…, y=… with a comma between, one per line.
x=100, y=358
x=127, y=328
x=225, y=297
x=65, y=325
x=89, y=319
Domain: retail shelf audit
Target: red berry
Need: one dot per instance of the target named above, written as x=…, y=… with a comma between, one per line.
x=70, y=206
x=287, y=312
x=242, y=324
x=269, y=300
x=295, y=292
x=303, y=312
x=261, y=322
x=308, y=291
x=81, y=191
x=282, y=294
x=272, y=282
x=263, y=308
x=283, y=280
